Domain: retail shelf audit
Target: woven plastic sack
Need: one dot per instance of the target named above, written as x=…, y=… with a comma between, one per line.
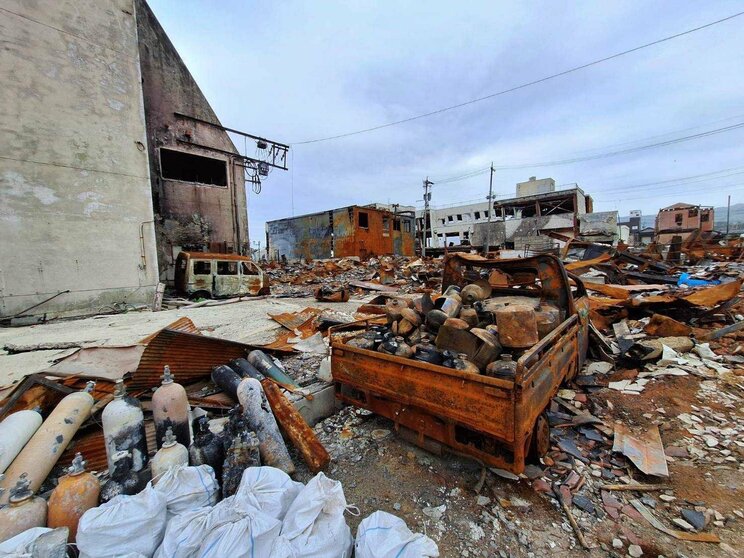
x=383, y=535
x=188, y=488
x=268, y=489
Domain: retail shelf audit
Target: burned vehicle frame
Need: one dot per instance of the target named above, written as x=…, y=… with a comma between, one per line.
x=496, y=421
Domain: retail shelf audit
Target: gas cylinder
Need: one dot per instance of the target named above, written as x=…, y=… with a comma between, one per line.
x=15, y=431
x=260, y=419
x=171, y=454
x=268, y=368
x=504, y=368
x=24, y=512
x=243, y=453
x=42, y=451
x=75, y=494
x=207, y=449
x=170, y=409
x=122, y=480
x=124, y=428
x=227, y=380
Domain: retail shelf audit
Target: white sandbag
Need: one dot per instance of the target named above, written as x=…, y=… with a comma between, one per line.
x=188, y=488
x=123, y=525
x=250, y=536
x=184, y=534
x=314, y=525
x=268, y=489
x=383, y=535
x=37, y=541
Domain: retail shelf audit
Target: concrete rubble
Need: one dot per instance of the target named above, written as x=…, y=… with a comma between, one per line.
x=646, y=439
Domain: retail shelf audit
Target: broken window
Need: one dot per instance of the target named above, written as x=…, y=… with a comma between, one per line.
x=385, y=226
x=459, y=217
x=407, y=226
x=704, y=217
x=202, y=268
x=678, y=219
x=477, y=214
x=442, y=220
x=449, y=218
x=396, y=225
x=363, y=220
x=485, y=214
x=692, y=213
x=246, y=269
x=178, y=165
x=227, y=268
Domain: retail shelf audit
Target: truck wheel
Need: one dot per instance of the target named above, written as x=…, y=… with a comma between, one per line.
x=200, y=294
x=540, y=437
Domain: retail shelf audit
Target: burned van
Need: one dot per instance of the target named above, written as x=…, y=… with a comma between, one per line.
x=207, y=275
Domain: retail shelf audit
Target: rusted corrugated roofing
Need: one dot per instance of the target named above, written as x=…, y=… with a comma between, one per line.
x=190, y=357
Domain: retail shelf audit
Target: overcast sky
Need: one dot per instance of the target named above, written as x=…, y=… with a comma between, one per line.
x=295, y=71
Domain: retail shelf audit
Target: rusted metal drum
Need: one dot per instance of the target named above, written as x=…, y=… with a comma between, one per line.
x=170, y=409
x=76, y=493
x=124, y=428
x=45, y=447
x=15, y=432
x=24, y=512
x=517, y=326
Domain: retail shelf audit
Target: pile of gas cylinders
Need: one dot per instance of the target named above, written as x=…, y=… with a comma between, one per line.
x=465, y=328
x=30, y=448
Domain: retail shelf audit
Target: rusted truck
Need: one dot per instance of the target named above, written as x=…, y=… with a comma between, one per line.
x=497, y=421
x=209, y=275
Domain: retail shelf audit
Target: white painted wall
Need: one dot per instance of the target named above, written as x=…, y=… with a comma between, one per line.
x=75, y=198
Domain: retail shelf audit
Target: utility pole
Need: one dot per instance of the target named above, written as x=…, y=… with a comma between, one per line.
x=728, y=215
x=427, y=199
x=487, y=247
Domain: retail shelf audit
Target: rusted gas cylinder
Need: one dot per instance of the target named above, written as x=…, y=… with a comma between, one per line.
x=170, y=409
x=517, y=326
x=243, y=453
x=171, y=454
x=15, y=432
x=24, y=512
x=475, y=292
x=263, y=363
x=45, y=447
x=76, y=493
x=260, y=419
x=124, y=428
x=227, y=380
x=208, y=448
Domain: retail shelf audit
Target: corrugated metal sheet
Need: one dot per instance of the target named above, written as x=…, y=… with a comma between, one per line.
x=191, y=357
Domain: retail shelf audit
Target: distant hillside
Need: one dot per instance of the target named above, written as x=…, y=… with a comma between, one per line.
x=737, y=218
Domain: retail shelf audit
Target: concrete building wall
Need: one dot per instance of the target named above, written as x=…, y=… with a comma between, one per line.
x=75, y=204
x=535, y=186
x=682, y=220
x=190, y=214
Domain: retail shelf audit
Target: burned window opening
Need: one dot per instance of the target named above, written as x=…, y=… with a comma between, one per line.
x=363, y=220
x=227, y=268
x=396, y=225
x=406, y=226
x=201, y=267
x=188, y=167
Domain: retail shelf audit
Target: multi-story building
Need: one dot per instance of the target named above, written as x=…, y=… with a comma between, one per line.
x=110, y=159
x=682, y=219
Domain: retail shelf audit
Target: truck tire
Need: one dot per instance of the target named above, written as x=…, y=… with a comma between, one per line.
x=540, y=443
x=200, y=294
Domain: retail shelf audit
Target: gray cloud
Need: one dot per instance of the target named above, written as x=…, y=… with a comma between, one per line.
x=294, y=71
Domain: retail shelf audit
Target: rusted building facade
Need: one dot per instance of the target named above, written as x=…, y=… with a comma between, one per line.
x=362, y=231
x=197, y=179
x=682, y=220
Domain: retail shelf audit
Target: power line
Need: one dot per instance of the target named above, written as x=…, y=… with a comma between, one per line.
x=522, y=86
x=595, y=156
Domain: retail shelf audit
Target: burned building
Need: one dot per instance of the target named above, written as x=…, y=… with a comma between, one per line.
x=362, y=231
x=524, y=222
x=682, y=220
x=112, y=159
